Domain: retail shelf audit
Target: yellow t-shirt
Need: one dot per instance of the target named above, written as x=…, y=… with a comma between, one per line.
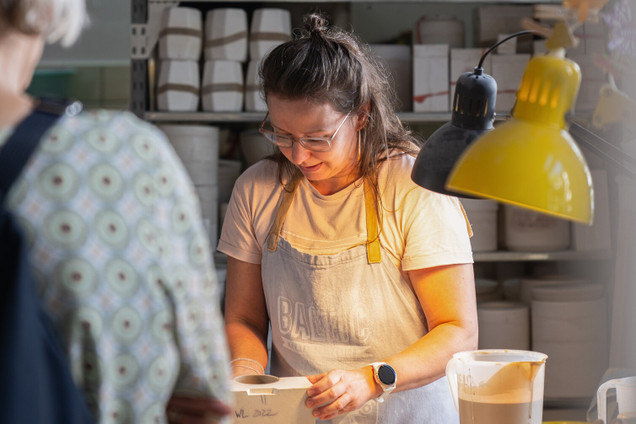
x=419, y=228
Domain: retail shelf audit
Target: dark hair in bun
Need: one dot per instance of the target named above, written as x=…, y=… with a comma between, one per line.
x=324, y=64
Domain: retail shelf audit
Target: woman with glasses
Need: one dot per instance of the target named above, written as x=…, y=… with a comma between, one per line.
x=365, y=278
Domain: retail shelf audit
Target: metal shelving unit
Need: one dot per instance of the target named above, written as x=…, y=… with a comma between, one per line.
x=144, y=35
x=509, y=256
x=566, y=255
x=247, y=117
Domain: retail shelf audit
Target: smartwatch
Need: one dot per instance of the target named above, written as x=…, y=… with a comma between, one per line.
x=386, y=377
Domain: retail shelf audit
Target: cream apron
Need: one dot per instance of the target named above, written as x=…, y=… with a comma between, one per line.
x=346, y=311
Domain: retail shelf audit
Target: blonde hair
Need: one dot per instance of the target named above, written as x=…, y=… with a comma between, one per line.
x=56, y=20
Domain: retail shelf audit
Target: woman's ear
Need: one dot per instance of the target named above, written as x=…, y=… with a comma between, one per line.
x=362, y=117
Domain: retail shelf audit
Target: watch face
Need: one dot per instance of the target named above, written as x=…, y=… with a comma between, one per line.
x=386, y=374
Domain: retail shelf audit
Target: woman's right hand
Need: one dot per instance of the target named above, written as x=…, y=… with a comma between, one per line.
x=338, y=391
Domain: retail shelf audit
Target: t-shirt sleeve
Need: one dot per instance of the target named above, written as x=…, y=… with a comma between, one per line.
x=250, y=212
x=434, y=228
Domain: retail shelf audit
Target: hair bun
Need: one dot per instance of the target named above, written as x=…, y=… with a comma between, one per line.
x=315, y=23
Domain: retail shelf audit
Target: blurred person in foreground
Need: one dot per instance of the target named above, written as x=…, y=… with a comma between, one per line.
x=117, y=244
x=365, y=278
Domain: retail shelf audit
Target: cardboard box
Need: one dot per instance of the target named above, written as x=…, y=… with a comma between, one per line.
x=430, y=78
x=506, y=47
x=507, y=70
x=495, y=20
x=266, y=399
x=398, y=60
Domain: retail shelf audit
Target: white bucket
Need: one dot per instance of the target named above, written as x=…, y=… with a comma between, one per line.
x=269, y=28
x=254, y=101
x=567, y=292
x=222, y=87
x=512, y=289
x=194, y=142
x=574, y=336
x=222, y=211
x=202, y=173
x=504, y=325
x=528, y=284
x=209, y=200
x=229, y=171
x=568, y=320
x=482, y=215
x=255, y=146
x=527, y=230
x=226, y=34
x=198, y=149
x=180, y=34
x=178, y=86
x=487, y=290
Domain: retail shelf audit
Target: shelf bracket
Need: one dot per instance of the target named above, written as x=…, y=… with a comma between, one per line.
x=144, y=36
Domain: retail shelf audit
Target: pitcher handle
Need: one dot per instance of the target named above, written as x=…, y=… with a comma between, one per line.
x=451, y=377
x=601, y=399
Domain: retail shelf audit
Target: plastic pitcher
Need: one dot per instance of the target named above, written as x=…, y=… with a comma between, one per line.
x=625, y=399
x=498, y=386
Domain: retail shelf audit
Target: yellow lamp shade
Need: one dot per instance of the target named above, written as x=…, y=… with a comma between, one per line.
x=531, y=160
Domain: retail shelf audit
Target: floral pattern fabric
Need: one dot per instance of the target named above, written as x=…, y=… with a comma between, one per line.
x=123, y=264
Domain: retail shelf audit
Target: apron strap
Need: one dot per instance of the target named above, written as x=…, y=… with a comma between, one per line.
x=469, y=227
x=374, y=253
x=277, y=226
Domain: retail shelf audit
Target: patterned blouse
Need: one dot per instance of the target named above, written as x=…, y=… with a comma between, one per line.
x=124, y=265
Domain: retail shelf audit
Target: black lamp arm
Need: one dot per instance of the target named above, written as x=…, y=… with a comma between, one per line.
x=603, y=148
x=498, y=43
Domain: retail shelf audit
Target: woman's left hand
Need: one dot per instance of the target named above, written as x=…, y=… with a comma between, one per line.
x=337, y=392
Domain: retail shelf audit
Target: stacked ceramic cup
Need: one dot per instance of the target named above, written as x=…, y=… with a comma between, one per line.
x=225, y=52
x=179, y=52
x=269, y=28
x=198, y=148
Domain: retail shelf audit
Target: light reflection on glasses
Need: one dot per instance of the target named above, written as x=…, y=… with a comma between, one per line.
x=314, y=144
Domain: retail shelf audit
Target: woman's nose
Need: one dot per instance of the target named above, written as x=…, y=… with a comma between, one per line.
x=299, y=153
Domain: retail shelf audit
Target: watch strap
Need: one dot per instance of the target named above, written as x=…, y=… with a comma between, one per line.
x=386, y=388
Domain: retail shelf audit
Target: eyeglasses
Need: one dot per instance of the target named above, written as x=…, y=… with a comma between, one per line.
x=314, y=144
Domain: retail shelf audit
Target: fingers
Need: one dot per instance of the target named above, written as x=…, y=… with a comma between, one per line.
x=337, y=392
x=341, y=405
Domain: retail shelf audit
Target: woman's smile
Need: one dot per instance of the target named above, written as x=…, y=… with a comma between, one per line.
x=309, y=169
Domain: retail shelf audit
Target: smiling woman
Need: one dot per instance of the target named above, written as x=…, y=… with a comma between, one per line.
x=358, y=270
x=329, y=162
